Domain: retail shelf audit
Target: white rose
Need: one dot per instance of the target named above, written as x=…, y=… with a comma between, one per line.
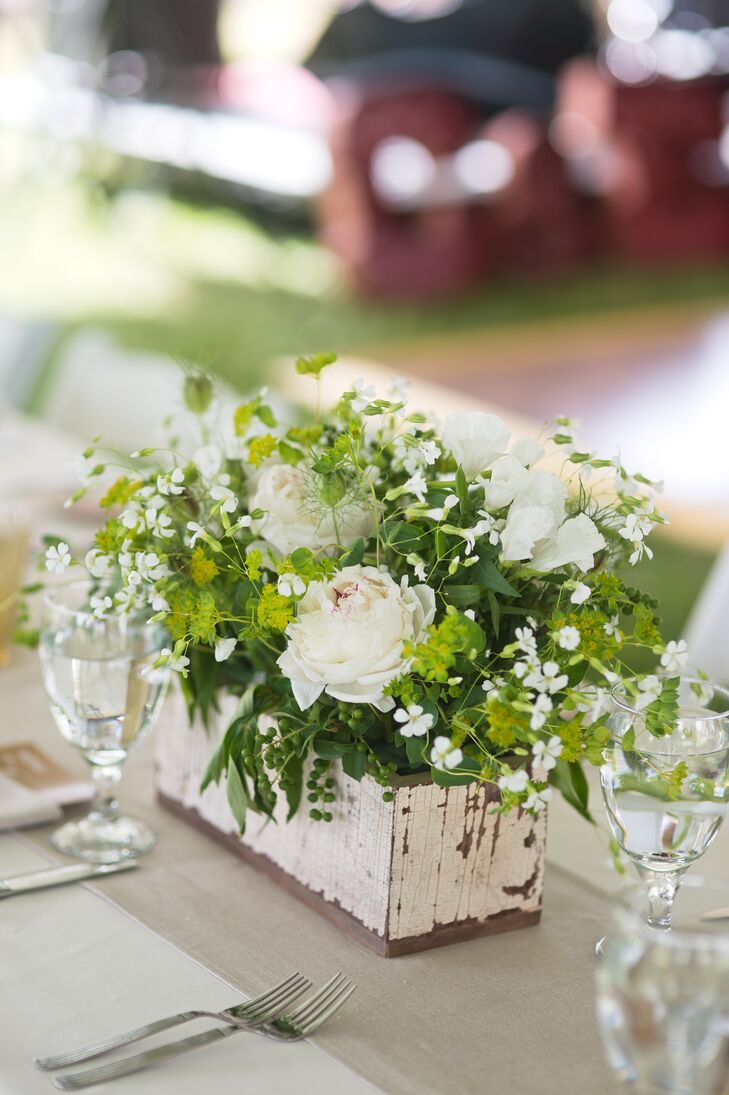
x=289, y=524
x=348, y=636
x=576, y=541
x=475, y=439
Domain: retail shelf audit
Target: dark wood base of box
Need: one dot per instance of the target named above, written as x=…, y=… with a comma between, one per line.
x=441, y=936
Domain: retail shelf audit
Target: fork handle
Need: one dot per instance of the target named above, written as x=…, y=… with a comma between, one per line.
x=97, y=1049
x=74, y=1081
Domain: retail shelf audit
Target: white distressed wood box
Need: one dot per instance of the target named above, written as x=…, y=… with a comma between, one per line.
x=431, y=867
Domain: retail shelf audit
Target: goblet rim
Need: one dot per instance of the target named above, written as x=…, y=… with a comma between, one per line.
x=50, y=600
x=621, y=700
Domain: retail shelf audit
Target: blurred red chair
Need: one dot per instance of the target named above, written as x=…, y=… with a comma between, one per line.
x=375, y=214
x=645, y=150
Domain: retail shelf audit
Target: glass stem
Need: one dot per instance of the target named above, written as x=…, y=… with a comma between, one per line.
x=106, y=779
x=661, y=888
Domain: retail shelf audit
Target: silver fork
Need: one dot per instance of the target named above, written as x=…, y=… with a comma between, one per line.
x=300, y=1023
x=264, y=1007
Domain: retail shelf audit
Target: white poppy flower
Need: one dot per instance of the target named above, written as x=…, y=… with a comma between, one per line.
x=475, y=439
x=527, y=451
x=575, y=542
x=349, y=633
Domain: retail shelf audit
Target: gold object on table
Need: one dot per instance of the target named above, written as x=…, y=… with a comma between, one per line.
x=13, y=558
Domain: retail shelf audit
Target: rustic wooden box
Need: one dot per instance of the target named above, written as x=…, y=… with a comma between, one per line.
x=431, y=867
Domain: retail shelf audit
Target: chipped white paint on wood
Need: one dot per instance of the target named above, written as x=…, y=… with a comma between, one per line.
x=430, y=858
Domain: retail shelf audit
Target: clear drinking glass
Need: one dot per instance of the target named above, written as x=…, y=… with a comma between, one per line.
x=663, y=997
x=661, y=816
x=104, y=698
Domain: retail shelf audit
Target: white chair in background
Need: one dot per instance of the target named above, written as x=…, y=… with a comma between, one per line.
x=98, y=387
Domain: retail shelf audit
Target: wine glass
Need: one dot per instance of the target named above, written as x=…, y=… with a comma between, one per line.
x=663, y=997
x=104, y=697
x=667, y=797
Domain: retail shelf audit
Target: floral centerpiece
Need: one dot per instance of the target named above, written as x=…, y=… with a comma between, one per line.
x=381, y=590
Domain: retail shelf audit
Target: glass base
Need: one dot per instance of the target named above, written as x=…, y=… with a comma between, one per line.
x=104, y=841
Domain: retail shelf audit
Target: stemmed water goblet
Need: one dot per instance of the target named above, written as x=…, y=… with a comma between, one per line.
x=666, y=797
x=663, y=996
x=105, y=697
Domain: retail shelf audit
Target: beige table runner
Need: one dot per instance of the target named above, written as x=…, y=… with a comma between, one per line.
x=485, y=1016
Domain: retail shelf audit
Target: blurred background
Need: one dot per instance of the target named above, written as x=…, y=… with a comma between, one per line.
x=526, y=201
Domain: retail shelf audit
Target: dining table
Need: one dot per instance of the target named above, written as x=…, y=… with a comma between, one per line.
x=196, y=927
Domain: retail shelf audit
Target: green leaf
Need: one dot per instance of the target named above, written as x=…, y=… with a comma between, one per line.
x=237, y=796
x=354, y=764
x=301, y=558
x=487, y=574
x=462, y=594
x=628, y=740
x=444, y=778
x=355, y=554
x=266, y=415
x=313, y=364
x=330, y=750
x=290, y=453
x=495, y=611
x=461, y=486
x=294, y=784
x=570, y=780
x=415, y=749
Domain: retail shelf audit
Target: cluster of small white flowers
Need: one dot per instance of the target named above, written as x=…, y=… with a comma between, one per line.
x=675, y=657
x=414, y=722
x=515, y=782
x=58, y=558
x=364, y=395
x=649, y=690
x=171, y=482
x=568, y=638
x=445, y=756
x=547, y=753
x=637, y=526
x=291, y=585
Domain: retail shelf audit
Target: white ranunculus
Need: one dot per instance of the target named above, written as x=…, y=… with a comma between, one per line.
x=290, y=524
x=348, y=636
x=576, y=541
x=524, y=528
x=475, y=439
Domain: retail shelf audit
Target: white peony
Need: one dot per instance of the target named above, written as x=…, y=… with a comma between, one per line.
x=289, y=524
x=575, y=542
x=475, y=439
x=348, y=636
